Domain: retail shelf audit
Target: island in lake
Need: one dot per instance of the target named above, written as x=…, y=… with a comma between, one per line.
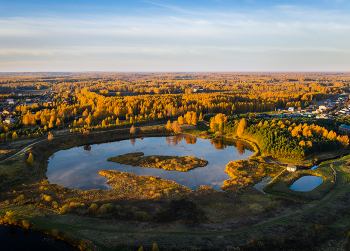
x=178, y=163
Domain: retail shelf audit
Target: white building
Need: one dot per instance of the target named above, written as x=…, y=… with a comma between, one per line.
x=322, y=107
x=9, y=120
x=291, y=168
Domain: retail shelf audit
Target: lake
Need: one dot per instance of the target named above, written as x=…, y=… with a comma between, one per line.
x=77, y=168
x=306, y=183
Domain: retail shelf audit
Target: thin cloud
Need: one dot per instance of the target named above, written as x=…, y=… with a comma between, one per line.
x=172, y=8
x=225, y=40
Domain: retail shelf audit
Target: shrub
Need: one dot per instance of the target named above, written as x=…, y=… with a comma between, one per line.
x=19, y=198
x=144, y=215
x=10, y=218
x=155, y=247
x=47, y=198
x=93, y=207
x=55, y=233
x=55, y=204
x=106, y=208
x=218, y=133
x=86, y=133
x=103, y=209
x=65, y=209
x=134, y=209
x=256, y=207
x=166, y=191
x=73, y=205
x=25, y=223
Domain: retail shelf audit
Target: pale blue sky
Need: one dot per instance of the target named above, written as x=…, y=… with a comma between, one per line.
x=207, y=35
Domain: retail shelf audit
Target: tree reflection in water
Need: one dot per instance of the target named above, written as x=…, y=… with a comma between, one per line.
x=132, y=141
x=11, y=230
x=240, y=148
x=87, y=148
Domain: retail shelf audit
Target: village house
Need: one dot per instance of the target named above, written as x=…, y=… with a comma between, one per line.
x=9, y=120
x=10, y=101
x=291, y=168
x=344, y=128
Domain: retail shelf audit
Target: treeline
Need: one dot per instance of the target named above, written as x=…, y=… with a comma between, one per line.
x=84, y=101
x=95, y=109
x=170, y=83
x=286, y=139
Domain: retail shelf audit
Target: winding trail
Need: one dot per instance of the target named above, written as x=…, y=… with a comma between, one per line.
x=20, y=151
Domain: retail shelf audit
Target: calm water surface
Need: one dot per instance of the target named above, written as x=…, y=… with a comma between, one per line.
x=306, y=183
x=15, y=238
x=77, y=168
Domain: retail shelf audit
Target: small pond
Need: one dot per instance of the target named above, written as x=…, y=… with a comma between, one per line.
x=77, y=168
x=306, y=183
x=314, y=167
x=15, y=238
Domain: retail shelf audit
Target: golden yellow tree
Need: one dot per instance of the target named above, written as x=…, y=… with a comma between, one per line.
x=168, y=125
x=132, y=129
x=241, y=127
x=194, y=119
x=344, y=140
x=176, y=127
x=50, y=136
x=180, y=120
x=217, y=122
x=14, y=136
x=30, y=159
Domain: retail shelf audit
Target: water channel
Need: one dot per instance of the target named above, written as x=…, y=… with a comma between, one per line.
x=77, y=168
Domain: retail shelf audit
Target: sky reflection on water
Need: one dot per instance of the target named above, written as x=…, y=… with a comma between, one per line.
x=306, y=183
x=77, y=168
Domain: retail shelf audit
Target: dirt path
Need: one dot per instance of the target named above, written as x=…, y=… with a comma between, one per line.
x=20, y=151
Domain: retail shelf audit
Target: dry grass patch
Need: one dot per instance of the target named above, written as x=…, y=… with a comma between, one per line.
x=246, y=173
x=182, y=164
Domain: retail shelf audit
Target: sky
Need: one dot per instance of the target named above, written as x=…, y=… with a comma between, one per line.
x=173, y=36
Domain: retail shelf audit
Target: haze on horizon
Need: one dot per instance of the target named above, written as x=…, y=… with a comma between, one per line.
x=158, y=35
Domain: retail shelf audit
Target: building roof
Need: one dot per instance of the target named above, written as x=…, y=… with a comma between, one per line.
x=345, y=127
